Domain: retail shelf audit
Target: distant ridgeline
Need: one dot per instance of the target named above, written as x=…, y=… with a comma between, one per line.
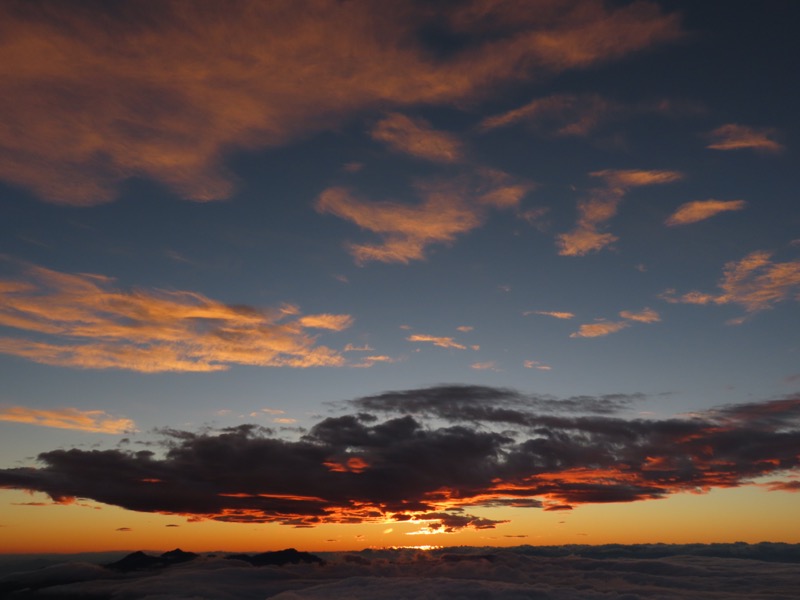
x=737, y=571
x=767, y=551
x=139, y=561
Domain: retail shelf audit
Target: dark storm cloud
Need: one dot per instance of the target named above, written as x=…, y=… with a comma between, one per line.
x=356, y=468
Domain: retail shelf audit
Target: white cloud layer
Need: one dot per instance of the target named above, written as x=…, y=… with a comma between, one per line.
x=575, y=573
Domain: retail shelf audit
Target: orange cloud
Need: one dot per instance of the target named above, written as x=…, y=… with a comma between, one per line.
x=326, y=321
x=448, y=209
x=94, y=325
x=372, y=360
x=754, y=282
x=535, y=364
x=577, y=114
x=699, y=210
x=417, y=138
x=498, y=189
x=352, y=348
x=603, y=327
x=570, y=114
x=485, y=366
x=628, y=178
x=550, y=313
x=442, y=342
x=738, y=137
x=407, y=230
x=164, y=90
x=587, y=237
x=599, y=329
x=94, y=421
x=646, y=315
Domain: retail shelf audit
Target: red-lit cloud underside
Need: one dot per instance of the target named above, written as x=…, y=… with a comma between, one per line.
x=361, y=468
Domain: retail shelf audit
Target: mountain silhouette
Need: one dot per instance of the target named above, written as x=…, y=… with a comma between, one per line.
x=277, y=558
x=139, y=561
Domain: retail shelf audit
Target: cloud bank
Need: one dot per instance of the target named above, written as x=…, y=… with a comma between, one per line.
x=701, y=572
x=430, y=455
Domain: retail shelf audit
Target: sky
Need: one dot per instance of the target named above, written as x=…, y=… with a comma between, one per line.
x=336, y=275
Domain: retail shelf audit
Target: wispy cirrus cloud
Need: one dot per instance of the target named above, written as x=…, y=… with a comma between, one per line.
x=93, y=421
x=83, y=320
x=565, y=114
x=603, y=327
x=493, y=447
x=496, y=189
x=646, y=315
x=755, y=282
x=407, y=230
x=599, y=329
x=449, y=208
x=577, y=114
x=624, y=179
x=326, y=321
x=535, y=364
x=417, y=138
x=550, y=313
x=738, y=137
x=158, y=90
x=601, y=206
x=488, y=365
x=700, y=210
x=440, y=341
x=374, y=359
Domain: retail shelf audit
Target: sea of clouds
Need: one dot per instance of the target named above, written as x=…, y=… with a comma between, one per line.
x=723, y=571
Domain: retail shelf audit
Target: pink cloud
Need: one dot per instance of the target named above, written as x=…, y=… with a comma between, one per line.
x=699, y=210
x=737, y=137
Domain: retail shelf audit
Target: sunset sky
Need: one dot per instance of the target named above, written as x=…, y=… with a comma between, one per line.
x=345, y=274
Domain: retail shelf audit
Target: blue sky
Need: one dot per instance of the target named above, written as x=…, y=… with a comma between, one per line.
x=213, y=218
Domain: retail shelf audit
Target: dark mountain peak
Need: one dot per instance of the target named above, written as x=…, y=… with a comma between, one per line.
x=278, y=558
x=135, y=561
x=138, y=561
x=178, y=555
